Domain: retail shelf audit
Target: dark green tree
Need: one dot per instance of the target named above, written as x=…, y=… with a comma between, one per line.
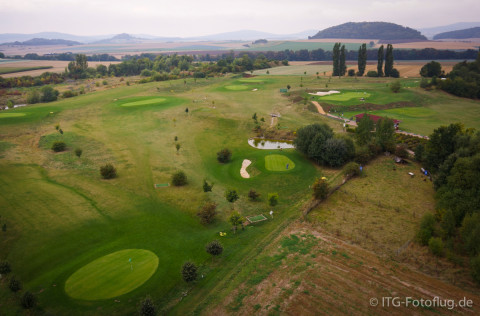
x=207, y=212
x=320, y=189
x=342, y=64
x=231, y=195
x=272, y=199
x=363, y=132
x=236, y=219
x=389, y=61
x=224, y=155
x=380, y=62
x=207, y=187
x=425, y=232
x=179, y=178
x=5, y=267
x=214, y=248
x=432, y=69
x=385, y=134
x=14, y=284
x=435, y=245
x=28, y=300
x=362, y=59
x=470, y=233
x=311, y=138
x=336, y=153
x=336, y=59
x=189, y=272
x=78, y=152
x=108, y=171
x=253, y=195
x=58, y=146
x=441, y=145
x=49, y=94
x=147, y=307
x=395, y=86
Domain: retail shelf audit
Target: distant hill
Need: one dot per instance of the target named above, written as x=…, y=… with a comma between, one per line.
x=473, y=32
x=432, y=31
x=123, y=38
x=370, y=30
x=44, y=41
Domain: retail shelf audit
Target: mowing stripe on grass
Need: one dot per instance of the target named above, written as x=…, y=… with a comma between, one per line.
x=278, y=163
x=145, y=102
x=112, y=275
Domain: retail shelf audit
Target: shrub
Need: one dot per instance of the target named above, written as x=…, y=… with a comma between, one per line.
x=59, y=146
x=206, y=187
x=395, y=86
x=147, y=307
x=419, y=152
x=28, y=300
x=351, y=169
x=179, y=178
x=207, y=212
x=426, y=229
x=224, y=155
x=272, y=199
x=189, y=272
x=435, y=245
x=401, y=151
x=68, y=94
x=395, y=73
x=49, y=94
x=214, y=248
x=253, y=195
x=14, y=285
x=105, y=82
x=108, y=171
x=33, y=97
x=351, y=72
x=363, y=155
x=320, y=189
x=78, y=152
x=231, y=195
x=5, y=267
x=372, y=73
x=475, y=264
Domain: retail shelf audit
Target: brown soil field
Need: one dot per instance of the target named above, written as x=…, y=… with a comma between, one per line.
x=58, y=66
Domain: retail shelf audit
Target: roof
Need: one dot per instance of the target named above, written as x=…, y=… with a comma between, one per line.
x=374, y=118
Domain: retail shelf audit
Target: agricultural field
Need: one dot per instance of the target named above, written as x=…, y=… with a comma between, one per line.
x=85, y=245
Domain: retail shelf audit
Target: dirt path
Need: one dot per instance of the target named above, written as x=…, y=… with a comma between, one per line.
x=243, y=170
x=319, y=107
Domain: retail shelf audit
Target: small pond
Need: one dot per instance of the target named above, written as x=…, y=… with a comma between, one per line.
x=261, y=143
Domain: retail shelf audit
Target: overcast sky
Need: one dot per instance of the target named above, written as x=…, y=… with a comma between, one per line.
x=202, y=17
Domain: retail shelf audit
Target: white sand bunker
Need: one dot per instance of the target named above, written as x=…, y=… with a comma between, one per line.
x=243, y=170
x=321, y=94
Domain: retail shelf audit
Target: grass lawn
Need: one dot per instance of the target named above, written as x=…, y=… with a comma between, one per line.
x=345, y=96
x=112, y=275
x=278, y=163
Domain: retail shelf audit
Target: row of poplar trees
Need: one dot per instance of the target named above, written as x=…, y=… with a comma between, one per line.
x=340, y=68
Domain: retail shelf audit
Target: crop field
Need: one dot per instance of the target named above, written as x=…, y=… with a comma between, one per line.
x=9, y=70
x=89, y=246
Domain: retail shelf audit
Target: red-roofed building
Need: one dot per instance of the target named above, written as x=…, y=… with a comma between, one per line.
x=375, y=119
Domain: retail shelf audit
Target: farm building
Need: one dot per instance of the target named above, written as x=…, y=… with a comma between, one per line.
x=375, y=119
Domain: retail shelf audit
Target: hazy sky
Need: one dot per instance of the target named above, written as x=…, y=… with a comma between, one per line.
x=202, y=17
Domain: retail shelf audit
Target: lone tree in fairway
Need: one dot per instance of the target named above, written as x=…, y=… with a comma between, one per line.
x=147, y=308
x=207, y=212
x=253, y=195
x=108, y=171
x=177, y=145
x=231, y=195
x=14, y=285
x=28, y=300
x=272, y=199
x=78, y=152
x=207, y=187
x=179, y=178
x=224, y=155
x=236, y=219
x=59, y=146
x=214, y=248
x=189, y=272
x=5, y=267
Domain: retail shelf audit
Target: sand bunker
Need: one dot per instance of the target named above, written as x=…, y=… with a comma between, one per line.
x=243, y=170
x=321, y=94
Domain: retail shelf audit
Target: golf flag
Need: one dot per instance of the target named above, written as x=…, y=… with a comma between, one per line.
x=130, y=260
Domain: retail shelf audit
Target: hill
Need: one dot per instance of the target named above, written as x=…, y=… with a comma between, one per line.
x=370, y=30
x=123, y=38
x=44, y=41
x=473, y=32
x=432, y=31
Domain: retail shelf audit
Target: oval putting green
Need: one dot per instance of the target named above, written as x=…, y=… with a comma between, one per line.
x=237, y=87
x=278, y=163
x=144, y=102
x=4, y=115
x=112, y=275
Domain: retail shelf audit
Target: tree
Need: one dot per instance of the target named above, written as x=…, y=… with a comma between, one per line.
x=254, y=117
x=419, y=152
x=380, y=62
x=362, y=59
x=336, y=152
x=58, y=146
x=351, y=169
x=179, y=178
x=224, y=155
x=272, y=199
x=5, y=267
x=363, y=132
x=401, y=150
x=14, y=284
x=33, y=96
x=320, y=189
x=207, y=187
x=189, y=272
x=426, y=229
x=435, y=245
x=108, y=171
x=28, y=300
x=231, y=195
x=186, y=111
x=385, y=134
x=78, y=152
x=177, y=146
x=214, y=248
x=288, y=87
x=470, y=233
x=336, y=59
x=147, y=307
x=342, y=65
x=431, y=69
x=475, y=264
x=389, y=61
x=49, y=94
x=310, y=138
x=441, y=145
x=395, y=86
x=253, y=195
x=207, y=212
x=4, y=227
x=236, y=219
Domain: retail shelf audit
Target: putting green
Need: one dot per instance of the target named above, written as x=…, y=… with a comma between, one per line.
x=278, y=163
x=112, y=275
x=237, y=87
x=2, y=115
x=345, y=96
x=145, y=102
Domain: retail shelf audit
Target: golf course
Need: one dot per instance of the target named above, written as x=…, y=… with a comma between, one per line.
x=86, y=245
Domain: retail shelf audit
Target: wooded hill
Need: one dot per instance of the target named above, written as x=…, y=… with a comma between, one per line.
x=473, y=32
x=370, y=30
x=44, y=41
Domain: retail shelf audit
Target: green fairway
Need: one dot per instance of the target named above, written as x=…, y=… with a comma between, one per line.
x=249, y=80
x=5, y=115
x=237, y=87
x=112, y=275
x=145, y=102
x=345, y=96
x=278, y=163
